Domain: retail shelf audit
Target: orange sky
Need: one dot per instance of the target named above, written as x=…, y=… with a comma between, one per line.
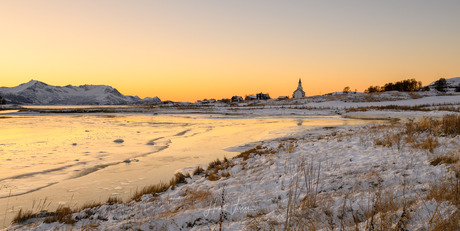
x=189, y=50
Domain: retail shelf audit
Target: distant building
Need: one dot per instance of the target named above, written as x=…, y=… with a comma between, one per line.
x=237, y=99
x=262, y=96
x=283, y=97
x=206, y=101
x=298, y=93
x=250, y=98
x=224, y=101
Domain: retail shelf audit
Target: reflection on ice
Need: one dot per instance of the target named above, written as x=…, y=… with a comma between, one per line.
x=91, y=154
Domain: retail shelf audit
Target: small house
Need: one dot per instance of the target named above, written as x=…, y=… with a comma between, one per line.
x=237, y=99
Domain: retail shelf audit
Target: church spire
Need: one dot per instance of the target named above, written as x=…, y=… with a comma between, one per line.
x=299, y=93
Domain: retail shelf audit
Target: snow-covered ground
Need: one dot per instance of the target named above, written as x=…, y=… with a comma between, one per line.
x=343, y=177
x=332, y=178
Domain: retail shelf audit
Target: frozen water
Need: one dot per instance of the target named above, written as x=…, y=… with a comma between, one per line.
x=73, y=157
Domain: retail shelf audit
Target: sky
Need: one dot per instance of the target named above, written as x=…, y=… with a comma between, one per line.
x=200, y=49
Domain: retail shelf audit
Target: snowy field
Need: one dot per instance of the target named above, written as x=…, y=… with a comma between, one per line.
x=72, y=158
x=396, y=175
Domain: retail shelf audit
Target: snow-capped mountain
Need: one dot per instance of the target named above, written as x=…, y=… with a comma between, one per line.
x=39, y=93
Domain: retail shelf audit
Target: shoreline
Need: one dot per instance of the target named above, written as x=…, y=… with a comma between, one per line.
x=197, y=201
x=397, y=116
x=71, y=192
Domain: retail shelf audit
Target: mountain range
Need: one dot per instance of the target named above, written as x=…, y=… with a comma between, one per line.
x=38, y=93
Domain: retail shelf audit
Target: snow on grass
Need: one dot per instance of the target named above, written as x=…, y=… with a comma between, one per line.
x=344, y=178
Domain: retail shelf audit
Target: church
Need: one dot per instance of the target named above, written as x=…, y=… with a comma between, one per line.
x=298, y=93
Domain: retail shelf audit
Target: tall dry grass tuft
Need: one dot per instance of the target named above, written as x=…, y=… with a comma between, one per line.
x=450, y=125
x=213, y=176
x=179, y=178
x=22, y=216
x=311, y=178
x=152, y=189
x=198, y=170
x=90, y=205
x=445, y=159
x=390, y=139
x=446, y=190
x=384, y=213
x=299, y=209
x=62, y=215
x=429, y=143
x=114, y=200
x=213, y=164
x=451, y=223
x=258, y=150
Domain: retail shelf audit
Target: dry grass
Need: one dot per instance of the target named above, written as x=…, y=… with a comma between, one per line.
x=213, y=164
x=225, y=174
x=23, y=216
x=389, y=139
x=114, y=200
x=422, y=134
x=197, y=195
x=192, y=198
x=198, y=170
x=450, y=125
x=451, y=223
x=179, y=178
x=213, y=176
x=258, y=150
x=446, y=190
x=445, y=159
x=401, y=108
x=62, y=215
x=429, y=144
x=152, y=189
x=90, y=205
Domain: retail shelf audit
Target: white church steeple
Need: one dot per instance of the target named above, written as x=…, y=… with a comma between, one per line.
x=298, y=93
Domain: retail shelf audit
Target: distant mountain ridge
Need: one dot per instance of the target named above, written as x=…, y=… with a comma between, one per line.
x=39, y=93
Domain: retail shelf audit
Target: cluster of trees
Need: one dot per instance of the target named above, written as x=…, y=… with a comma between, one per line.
x=440, y=85
x=2, y=101
x=405, y=85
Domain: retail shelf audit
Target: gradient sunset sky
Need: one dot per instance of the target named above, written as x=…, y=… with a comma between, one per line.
x=189, y=50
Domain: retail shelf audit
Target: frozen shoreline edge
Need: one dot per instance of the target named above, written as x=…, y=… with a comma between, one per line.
x=374, y=115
